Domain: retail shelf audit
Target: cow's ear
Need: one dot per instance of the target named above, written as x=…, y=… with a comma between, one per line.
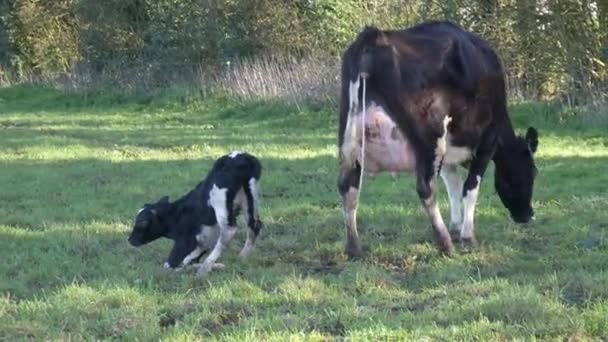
x=532, y=139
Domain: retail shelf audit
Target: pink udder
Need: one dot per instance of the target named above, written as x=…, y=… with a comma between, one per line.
x=385, y=147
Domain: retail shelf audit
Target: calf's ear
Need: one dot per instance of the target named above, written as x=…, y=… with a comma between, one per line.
x=161, y=207
x=532, y=139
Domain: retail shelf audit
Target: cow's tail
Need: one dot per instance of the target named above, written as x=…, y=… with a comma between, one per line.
x=363, y=113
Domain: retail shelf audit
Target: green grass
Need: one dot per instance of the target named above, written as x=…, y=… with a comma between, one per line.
x=75, y=170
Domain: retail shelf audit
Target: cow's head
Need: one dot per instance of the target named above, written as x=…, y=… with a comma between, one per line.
x=148, y=224
x=514, y=179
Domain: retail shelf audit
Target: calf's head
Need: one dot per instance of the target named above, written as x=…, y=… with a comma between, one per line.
x=149, y=223
x=515, y=174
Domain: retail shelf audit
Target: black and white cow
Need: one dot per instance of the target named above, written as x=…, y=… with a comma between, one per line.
x=434, y=98
x=205, y=219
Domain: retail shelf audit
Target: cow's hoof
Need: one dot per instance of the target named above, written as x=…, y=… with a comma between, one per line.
x=448, y=251
x=446, y=247
x=468, y=244
x=455, y=235
x=454, y=230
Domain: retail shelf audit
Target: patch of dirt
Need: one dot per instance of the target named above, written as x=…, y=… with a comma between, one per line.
x=11, y=124
x=122, y=325
x=333, y=328
x=574, y=294
x=396, y=263
x=168, y=318
x=320, y=269
x=230, y=315
x=166, y=321
x=325, y=266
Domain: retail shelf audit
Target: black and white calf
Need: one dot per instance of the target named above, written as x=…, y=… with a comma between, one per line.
x=205, y=219
x=429, y=99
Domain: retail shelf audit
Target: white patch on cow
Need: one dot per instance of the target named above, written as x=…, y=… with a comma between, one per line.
x=208, y=236
x=441, y=147
x=456, y=155
x=233, y=154
x=255, y=191
x=433, y=211
x=454, y=185
x=353, y=95
x=217, y=200
x=469, y=211
x=166, y=265
x=226, y=234
x=193, y=255
x=349, y=148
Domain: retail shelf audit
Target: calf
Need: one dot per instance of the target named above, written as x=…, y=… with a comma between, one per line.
x=205, y=219
x=429, y=99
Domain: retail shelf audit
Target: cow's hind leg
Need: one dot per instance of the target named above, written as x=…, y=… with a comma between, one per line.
x=348, y=186
x=427, y=191
x=454, y=185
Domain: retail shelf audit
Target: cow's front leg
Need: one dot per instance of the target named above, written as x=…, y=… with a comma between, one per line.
x=470, y=192
x=427, y=191
x=471, y=186
x=348, y=186
x=454, y=185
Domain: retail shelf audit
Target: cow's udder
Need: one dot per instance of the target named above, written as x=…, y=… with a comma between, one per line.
x=385, y=147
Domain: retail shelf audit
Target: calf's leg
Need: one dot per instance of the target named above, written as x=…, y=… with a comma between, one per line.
x=254, y=223
x=226, y=223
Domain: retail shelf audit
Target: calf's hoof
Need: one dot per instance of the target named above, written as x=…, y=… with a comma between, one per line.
x=218, y=266
x=204, y=269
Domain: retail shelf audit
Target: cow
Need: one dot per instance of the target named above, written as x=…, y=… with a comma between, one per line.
x=204, y=219
x=430, y=98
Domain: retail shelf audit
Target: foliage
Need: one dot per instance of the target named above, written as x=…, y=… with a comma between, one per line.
x=76, y=169
x=551, y=49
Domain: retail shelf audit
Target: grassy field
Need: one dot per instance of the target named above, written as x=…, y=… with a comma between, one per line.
x=75, y=170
